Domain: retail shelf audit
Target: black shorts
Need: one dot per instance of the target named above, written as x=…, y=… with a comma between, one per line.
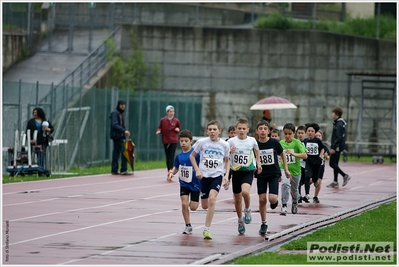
x=209, y=183
x=241, y=177
x=321, y=172
x=194, y=195
x=262, y=185
x=312, y=171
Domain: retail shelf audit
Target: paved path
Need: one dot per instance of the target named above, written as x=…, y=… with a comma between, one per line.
x=112, y=220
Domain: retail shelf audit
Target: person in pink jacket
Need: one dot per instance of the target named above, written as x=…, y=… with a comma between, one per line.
x=169, y=127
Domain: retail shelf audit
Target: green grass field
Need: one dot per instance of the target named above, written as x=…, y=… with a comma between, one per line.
x=377, y=225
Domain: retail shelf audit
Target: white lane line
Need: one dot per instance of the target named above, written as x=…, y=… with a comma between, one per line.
x=77, y=185
x=89, y=227
x=88, y=194
x=87, y=208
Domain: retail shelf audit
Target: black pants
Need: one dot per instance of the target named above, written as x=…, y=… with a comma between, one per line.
x=116, y=154
x=334, y=160
x=170, y=150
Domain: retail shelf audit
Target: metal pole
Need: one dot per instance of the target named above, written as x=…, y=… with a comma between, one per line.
x=314, y=15
x=112, y=17
x=196, y=13
x=37, y=93
x=91, y=27
x=50, y=28
x=19, y=107
x=71, y=26
x=378, y=20
x=252, y=13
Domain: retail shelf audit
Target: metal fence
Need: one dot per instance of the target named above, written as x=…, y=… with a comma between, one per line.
x=83, y=126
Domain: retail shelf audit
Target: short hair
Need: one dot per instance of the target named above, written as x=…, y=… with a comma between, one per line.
x=320, y=131
x=314, y=125
x=338, y=110
x=213, y=122
x=242, y=121
x=262, y=122
x=186, y=134
x=277, y=131
x=231, y=128
x=301, y=128
x=289, y=126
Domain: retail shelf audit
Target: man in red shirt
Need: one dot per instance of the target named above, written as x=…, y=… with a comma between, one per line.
x=169, y=127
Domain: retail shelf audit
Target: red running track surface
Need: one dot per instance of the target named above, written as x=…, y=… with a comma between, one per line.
x=130, y=220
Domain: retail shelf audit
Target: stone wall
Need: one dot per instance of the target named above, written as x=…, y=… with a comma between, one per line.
x=235, y=67
x=14, y=47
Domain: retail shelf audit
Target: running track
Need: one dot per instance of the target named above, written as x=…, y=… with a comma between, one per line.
x=130, y=220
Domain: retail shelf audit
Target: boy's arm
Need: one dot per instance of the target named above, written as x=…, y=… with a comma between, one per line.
x=195, y=165
x=284, y=159
x=257, y=156
x=227, y=171
x=172, y=173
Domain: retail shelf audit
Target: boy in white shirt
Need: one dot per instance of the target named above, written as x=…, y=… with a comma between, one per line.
x=213, y=169
x=242, y=148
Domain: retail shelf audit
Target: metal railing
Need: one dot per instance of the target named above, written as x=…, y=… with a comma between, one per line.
x=73, y=83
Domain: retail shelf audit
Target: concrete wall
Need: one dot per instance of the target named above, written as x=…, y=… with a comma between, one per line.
x=234, y=68
x=14, y=46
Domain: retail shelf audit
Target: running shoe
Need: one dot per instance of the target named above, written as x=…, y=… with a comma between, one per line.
x=333, y=185
x=306, y=198
x=294, y=208
x=263, y=229
x=283, y=211
x=316, y=200
x=273, y=206
x=188, y=230
x=346, y=180
x=207, y=234
x=241, y=227
x=248, y=216
x=300, y=199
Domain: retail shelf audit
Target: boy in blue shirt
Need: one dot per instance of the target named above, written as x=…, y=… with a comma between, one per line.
x=189, y=183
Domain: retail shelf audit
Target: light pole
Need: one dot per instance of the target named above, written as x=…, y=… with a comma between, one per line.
x=92, y=5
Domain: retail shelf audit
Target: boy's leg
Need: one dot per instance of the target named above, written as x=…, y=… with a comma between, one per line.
x=246, y=184
x=262, y=189
x=184, y=208
x=294, y=192
x=285, y=193
x=211, y=207
x=116, y=153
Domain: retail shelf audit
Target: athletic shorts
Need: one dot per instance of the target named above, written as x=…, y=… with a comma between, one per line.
x=194, y=195
x=303, y=176
x=262, y=183
x=209, y=183
x=312, y=171
x=321, y=172
x=241, y=177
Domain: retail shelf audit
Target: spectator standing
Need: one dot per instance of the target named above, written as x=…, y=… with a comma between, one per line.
x=117, y=134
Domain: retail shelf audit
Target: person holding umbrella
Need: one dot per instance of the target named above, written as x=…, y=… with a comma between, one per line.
x=117, y=134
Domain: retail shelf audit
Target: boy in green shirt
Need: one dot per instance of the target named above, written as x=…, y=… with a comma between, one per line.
x=294, y=151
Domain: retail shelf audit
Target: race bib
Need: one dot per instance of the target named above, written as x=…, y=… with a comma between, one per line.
x=312, y=149
x=186, y=173
x=266, y=157
x=212, y=161
x=242, y=158
x=290, y=158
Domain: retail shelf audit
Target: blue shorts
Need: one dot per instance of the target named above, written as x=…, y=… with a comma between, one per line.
x=209, y=183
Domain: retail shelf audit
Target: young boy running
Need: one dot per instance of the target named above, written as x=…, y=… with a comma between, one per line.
x=269, y=148
x=315, y=150
x=319, y=134
x=294, y=151
x=214, y=164
x=242, y=149
x=301, y=135
x=189, y=183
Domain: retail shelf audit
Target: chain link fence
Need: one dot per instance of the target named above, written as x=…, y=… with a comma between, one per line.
x=82, y=125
